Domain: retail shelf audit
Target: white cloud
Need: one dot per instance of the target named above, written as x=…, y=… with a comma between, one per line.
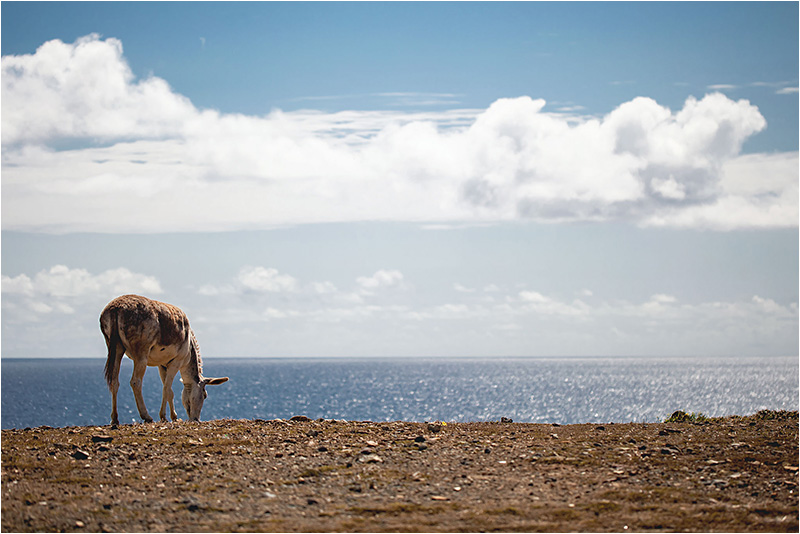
x=787, y=91
x=535, y=302
x=463, y=289
x=61, y=281
x=261, y=279
x=137, y=141
x=85, y=90
x=380, y=280
x=283, y=312
x=61, y=289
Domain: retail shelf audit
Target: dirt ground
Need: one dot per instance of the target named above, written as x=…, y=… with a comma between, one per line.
x=732, y=474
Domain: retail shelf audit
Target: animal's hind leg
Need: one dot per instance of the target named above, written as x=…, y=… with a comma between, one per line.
x=167, y=395
x=139, y=367
x=114, y=386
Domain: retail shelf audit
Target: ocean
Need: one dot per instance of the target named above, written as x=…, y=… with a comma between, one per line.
x=72, y=392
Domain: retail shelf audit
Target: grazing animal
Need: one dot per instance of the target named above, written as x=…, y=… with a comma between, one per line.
x=156, y=334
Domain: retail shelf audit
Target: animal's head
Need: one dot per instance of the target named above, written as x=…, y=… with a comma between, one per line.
x=194, y=394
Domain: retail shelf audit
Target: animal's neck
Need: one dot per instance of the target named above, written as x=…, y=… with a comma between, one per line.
x=190, y=375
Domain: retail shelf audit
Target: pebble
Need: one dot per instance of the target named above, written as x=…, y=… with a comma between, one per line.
x=80, y=455
x=506, y=420
x=101, y=439
x=370, y=459
x=80, y=524
x=300, y=418
x=420, y=439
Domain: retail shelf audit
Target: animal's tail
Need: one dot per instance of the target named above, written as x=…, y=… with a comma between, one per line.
x=110, y=328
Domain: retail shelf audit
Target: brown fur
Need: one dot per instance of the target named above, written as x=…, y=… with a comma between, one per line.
x=153, y=333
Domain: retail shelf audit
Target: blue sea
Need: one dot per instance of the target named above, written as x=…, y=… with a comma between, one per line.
x=69, y=392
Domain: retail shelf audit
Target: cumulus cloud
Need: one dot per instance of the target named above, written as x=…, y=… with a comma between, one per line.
x=253, y=280
x=61, y=289
x=138, y=141
x=61, y=281
x=381, y=279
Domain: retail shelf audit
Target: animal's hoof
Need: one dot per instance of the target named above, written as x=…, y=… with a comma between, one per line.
x=147, y=419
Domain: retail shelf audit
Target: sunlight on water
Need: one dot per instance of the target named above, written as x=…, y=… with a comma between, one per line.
x=536, y=390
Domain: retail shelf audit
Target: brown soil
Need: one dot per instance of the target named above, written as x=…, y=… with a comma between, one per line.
x=732, y=474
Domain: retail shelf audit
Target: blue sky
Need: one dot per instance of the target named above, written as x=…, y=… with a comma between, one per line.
x=404, y=179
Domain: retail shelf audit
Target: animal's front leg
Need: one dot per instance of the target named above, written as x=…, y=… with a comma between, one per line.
x=167, y=376
x=139, y=367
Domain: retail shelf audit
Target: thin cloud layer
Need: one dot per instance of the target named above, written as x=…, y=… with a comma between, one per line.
x=284, y=315
x=88, y=147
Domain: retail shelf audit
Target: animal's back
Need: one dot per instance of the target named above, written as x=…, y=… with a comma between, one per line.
x=135, y=317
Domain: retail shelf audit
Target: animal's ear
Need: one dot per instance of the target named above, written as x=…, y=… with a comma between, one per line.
x=215, y=381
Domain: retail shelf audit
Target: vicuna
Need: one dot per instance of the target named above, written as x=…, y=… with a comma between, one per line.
x=156, y=334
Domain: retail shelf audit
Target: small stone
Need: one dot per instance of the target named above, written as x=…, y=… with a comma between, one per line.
x=80, y=524
x=439, y=498
x=312, y=501
x=101, y=438
x=506, y=420
x=300, y=419
x=420, y=439
x=422, y=447
x=80, y=455
x=322, y=449
x=601, y=427
x=370, y=459
x=372, y=443
x=434, y=428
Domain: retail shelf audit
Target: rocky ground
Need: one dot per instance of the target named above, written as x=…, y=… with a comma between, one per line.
x=733, y=474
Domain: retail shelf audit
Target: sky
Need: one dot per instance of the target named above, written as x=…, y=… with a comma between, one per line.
x=404, y=179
